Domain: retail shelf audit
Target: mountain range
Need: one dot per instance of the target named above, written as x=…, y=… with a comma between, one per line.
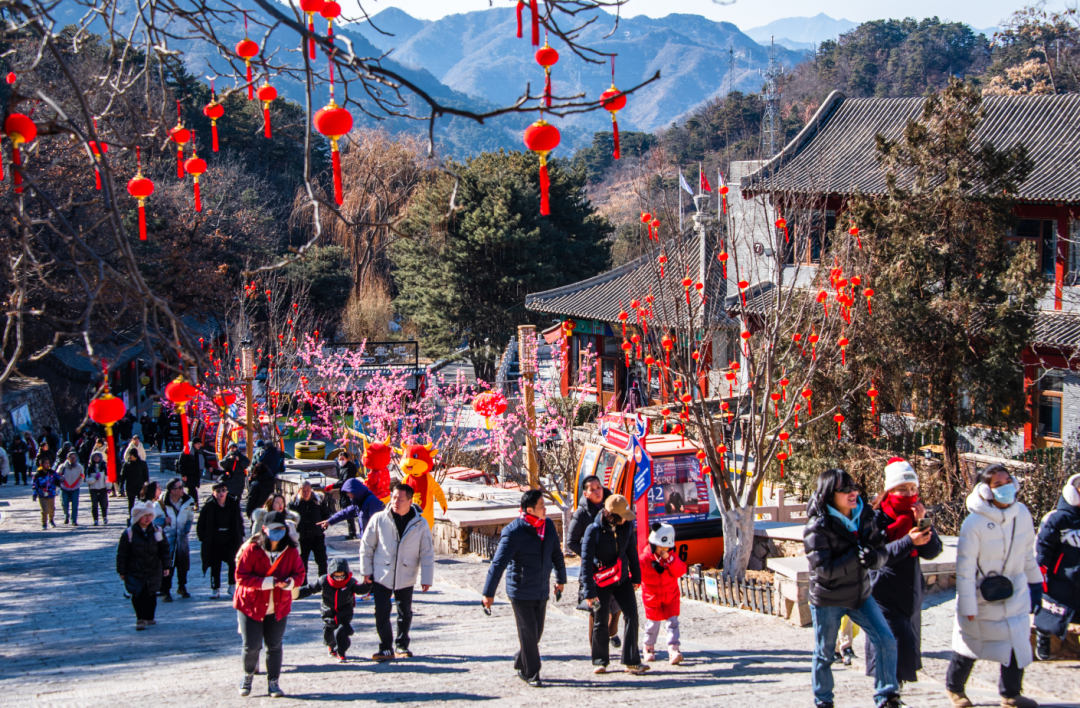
x=800, y=33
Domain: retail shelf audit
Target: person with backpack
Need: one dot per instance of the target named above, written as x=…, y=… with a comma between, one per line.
x=898, y=585
x=260, y=488
x=44, y=487
x=142, y=561
x=610, y=569
x=97, y=480
x=661, y=569
x=995, y=564
x=395, y=547
x=1058, y=554
x=843, y=544
x=338, y=590
x=220, y=530
x=267, y=569
x=179, y=511
x=311, y=509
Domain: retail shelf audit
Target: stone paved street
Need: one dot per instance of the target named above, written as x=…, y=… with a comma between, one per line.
x=68, y=639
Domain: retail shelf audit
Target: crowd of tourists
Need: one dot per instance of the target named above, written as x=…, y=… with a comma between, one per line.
x=864, y=560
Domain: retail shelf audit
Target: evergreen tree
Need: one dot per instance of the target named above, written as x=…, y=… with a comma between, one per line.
x=465, y=276
x=954, y=301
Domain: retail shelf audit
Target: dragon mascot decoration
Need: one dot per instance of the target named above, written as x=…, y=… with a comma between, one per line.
x=416, y=464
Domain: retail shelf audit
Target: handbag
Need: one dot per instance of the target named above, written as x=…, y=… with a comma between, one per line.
x=995, y=587
x=295, y=592
x=608, y=576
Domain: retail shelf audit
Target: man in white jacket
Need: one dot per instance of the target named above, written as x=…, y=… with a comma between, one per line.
x=395, y=547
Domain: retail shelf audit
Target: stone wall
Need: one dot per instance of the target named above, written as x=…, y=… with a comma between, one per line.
x=35, y=394
x=452, y=539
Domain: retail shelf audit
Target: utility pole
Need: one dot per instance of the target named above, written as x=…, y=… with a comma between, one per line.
x=527, y=364
x=770, y=94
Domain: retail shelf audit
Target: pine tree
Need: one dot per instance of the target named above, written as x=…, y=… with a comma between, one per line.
x=954, y=301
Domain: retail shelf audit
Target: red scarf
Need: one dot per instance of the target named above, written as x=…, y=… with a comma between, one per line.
x=900, y=510
x=339, y=584
x=535, y=522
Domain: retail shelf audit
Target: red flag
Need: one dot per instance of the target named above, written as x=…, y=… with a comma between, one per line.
x=704, y=181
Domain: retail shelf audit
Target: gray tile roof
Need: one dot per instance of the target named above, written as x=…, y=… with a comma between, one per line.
x=1057, y=329
x=602, y=297
x=835, y=153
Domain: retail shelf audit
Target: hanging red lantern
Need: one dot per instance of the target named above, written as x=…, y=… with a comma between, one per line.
x=334, y=122
x=489, y=404
x=781, y=224
x=10, y=78
x=723, y=190
x=96, y=150
x=745, y=335
x=813, y=345
x=266, y=94
x=797, y=339
x=655, y=228
x=807, y=393
x=636, y=339
x=535, y=12
x=646, y=218
x=107, y=410
x=140, y=187
x=331, y=11
x=542, y=137
x=180, y=392
x=613, y=100
x=195, y=166
x=784, y=435
x=873, y=394
x=311, y=7
x=823, y=298
x=686, y=283
x=869, y=293
x=783, y=386
x=246, y=49
x=776, y=403
x=839, y=418
x=667, y=343
x=20, y=130
x=179, y=135
x=743, y=285
x=781, y=456
x=627, y=347
x=547, y=57
x=730, y=376
x=723, y=258
x=213, y=111
x=662, y=259
x=842, y=343
x=854, y=231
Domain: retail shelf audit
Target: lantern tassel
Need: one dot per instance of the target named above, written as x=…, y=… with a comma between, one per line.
x=179, y=162
x=843, y=360
x=16, y=176
x=97, y=179
x=142, y=219
x=547, y=87
x=337, y=173
x=111, y=462
x=251, y=89
x=311, y=40
x=184, y=427
x=615, y=129
x=520, y=7
x=213, y=132
x=535, y=23
x=266, y=118
x=724, y=200
x=545, y=205
x=198, y=197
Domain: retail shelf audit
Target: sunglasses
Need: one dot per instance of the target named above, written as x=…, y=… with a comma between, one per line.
x=847, y=489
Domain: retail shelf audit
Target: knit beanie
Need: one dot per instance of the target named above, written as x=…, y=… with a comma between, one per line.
x=899, y=471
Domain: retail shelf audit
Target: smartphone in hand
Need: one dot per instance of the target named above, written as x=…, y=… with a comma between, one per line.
x=924, y=523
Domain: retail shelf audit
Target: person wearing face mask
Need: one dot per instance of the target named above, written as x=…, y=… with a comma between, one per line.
x=843, y=545
x=268, y=567
x=995, y=563
x=898, y=585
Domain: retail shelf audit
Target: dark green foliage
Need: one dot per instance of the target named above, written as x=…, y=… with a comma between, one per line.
x=464, y=278
x=326, y=269
x=597, y=158
x=730, y=126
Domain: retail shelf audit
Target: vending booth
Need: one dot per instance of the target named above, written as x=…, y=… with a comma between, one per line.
x=662, y=477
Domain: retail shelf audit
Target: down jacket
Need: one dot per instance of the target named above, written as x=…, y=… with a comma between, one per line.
x=362, y=504
x=837, y=578
x=527, y=560
x=142, y=557
x=994, y=540
x=255, y=584
x=394, y=562
x=178, y=522
x=220, y=530
x=660, y=588
x=603, y=546
x=338, y=599
x=1058, y=548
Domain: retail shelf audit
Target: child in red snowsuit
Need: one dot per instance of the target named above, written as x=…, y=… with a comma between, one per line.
x=660, y=573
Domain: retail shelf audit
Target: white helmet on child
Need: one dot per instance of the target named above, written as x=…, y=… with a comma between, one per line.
x=662, y=536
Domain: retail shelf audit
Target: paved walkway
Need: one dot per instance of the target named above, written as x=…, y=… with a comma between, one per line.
x=68, y=639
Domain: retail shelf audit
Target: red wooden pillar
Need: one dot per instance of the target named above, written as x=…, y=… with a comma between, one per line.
x=564, y=381
x=1029, y=402
x=1061, y=264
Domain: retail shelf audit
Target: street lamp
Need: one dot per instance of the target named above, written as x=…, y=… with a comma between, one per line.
x=247, y=371
x=527, y=366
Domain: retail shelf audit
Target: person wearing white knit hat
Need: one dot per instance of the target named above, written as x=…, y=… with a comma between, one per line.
x=898, y=585
x=142, y=560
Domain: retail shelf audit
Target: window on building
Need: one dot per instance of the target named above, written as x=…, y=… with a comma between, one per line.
x=808, y=237
x=1042, y=234
x=1050, y=386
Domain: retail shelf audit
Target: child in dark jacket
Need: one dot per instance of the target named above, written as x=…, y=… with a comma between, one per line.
x=338, y=590
x=660, y=573
x=1058, y=554
x=44, y=486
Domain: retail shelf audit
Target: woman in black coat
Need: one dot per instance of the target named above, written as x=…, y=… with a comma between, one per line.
x=608, y=548
x=133, y=475
x=220, y=529
x=898, y=585
x=260, y=488
x=142, y=560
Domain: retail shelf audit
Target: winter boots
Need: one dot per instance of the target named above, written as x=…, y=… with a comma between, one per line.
x=1042, y=646
x=959, y=700
x=245, y=684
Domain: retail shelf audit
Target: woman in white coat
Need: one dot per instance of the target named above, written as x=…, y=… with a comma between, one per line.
x=997, y=538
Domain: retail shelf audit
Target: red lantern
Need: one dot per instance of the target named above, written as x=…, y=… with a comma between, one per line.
x=140, y=187
x=776, y=402
x=781, y=456
x=724, y=189
x=667, y=343
x=330, y=11
x=869, y=293
x=106, y=410
x=823, y=298
x=246, y=49
x=873, y=394
x=843, y=342
x=542, y=137
x=784, y=435
x=613, y=100
x=488, y=404
x=266, y=93
x=813, y=346
x=195, y=167
x=743, y=285
x=783, y=386
x=213, y=111
x=547, y=58
x=723, y=258
x=809, y=406
x=839, y=418
x=781, y=224
x=10, y=78
x=334, y=122
x=535, y=12
x=180, y=392
x=20, y=129
x=662, y=259
x=224, y=399
x=311, y=7
x=627, y=347
x=854, y=231
x=180, y=135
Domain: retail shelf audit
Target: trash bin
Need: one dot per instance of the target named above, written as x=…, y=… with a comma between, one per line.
x=311, y=450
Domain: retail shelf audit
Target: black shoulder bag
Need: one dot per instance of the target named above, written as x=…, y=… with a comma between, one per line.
x=996, y=587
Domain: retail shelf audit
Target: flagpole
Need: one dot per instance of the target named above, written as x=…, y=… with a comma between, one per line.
x=680, y=207
x=699, y=179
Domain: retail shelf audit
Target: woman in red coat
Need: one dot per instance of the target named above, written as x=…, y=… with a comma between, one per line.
x=660, y=573
x=268, y=567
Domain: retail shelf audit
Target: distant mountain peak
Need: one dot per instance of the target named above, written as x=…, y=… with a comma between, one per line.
x=803, y=31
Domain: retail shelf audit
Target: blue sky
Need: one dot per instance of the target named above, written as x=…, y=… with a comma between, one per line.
x=747, y=14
